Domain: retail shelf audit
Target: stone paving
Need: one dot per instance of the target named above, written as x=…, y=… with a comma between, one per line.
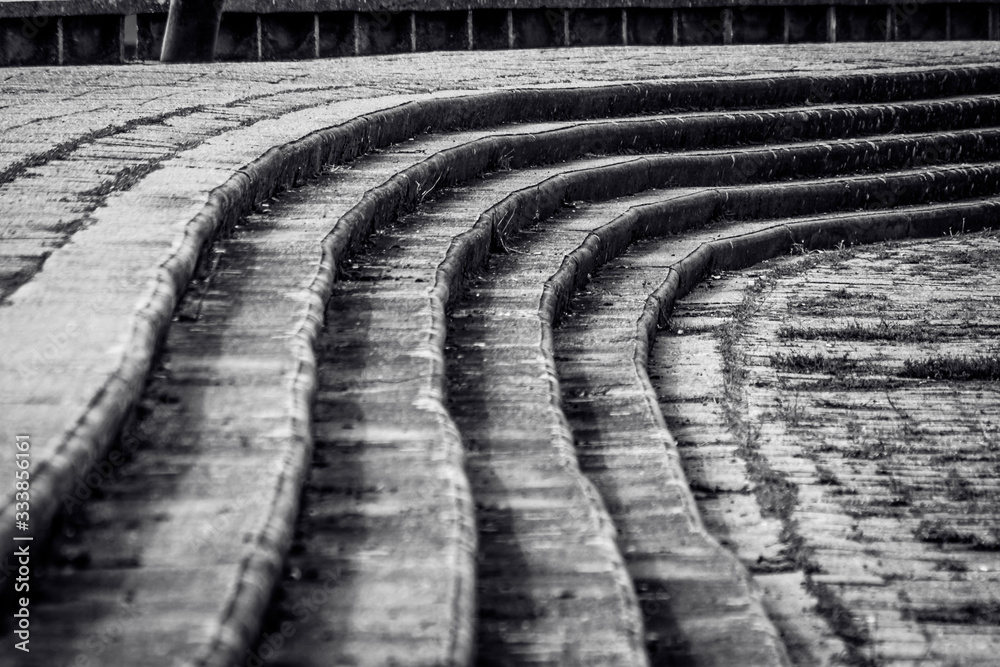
x=870, y=468
x=113, y=179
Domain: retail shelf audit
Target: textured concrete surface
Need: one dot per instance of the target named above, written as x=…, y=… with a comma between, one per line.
x=135, y=168
x=893, y=509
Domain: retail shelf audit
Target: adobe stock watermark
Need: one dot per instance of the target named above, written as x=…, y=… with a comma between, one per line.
x=22, y=541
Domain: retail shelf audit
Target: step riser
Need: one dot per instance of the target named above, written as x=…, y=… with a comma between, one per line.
x=742, y=128
x=735, y=254
x=787, y=162
x=776, y=126
x=727, y=255
x=756, y=202
x=766, y=165
x=387, y=203
x=461, y=164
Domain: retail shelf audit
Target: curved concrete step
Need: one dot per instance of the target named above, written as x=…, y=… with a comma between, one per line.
x=594, y=363
x=278, y=433
x=425, y=255
x=504, y=368
x=196, y=507
x=399, y=257
x=381, y=367
x=496, y=396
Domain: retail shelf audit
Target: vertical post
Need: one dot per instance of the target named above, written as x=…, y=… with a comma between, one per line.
x=890, y=25
x=510, y=28
x=624, y=27
x=260, y=39
x=831, y=23
x=470, y=44
x=60, y=42
x=947, y=22
x=565, y=27
x=676, y=19
x=357, y=33
x=121, y=39
x=786, y=29
x=413, y=32
x=192, y=31
x=727, y=26
x=316, y=35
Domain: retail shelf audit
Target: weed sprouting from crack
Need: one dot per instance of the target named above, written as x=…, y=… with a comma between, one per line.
x=859, y=332
x=805, y=363
x=980, y=612
x=830, y=303
x=901, y=492
x=500, y=231
x=955, y=368
x=941, y=532
x=426, y=194
x=826, y=476
x=874, y=446
x=793, y=412
x=504, y=161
